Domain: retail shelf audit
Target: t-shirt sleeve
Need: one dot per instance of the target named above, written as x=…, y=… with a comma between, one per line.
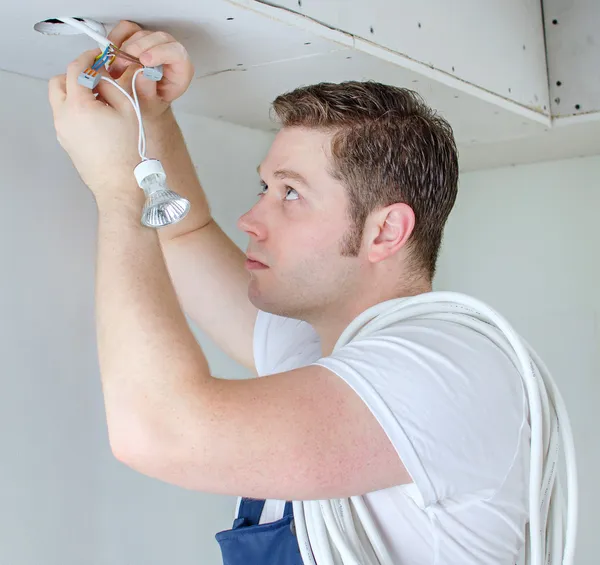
x=450, y=401
x=282, y=344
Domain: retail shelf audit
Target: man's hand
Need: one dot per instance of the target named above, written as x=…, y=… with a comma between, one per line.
x=100, y=138
x=153, y=49
x=101, y=134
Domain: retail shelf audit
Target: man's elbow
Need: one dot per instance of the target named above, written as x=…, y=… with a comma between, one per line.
x=151, y=451
x=135, y=445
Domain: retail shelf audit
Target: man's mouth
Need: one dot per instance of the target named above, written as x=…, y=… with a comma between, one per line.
x=253, y=264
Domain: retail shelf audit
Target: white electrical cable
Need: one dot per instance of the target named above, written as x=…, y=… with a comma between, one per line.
x=104, y=42
x=142, y=135
x=138, y=112
x=327, y=531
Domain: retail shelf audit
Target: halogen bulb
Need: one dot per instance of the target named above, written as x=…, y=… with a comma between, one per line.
x=163, y=206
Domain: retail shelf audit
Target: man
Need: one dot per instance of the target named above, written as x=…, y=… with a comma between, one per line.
x=427, y=419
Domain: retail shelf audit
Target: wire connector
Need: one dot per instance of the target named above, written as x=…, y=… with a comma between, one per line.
x=153, y=73
x=89, y=78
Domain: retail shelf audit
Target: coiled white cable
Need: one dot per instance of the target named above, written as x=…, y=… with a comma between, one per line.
x=328, y=531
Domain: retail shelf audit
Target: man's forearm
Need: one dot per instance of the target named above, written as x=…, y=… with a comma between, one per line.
x=166, y=143
x=154, y=373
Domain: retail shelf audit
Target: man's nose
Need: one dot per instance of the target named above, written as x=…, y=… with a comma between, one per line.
x=252, y=225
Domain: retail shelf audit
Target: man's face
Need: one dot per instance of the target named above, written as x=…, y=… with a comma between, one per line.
x=297, y=230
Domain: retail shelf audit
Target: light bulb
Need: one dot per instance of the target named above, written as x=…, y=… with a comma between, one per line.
x=163, y=206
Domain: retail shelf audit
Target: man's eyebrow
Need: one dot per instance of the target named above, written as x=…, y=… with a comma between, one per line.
x=288, y=174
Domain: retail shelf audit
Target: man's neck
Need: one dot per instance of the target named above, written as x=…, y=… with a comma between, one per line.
x=331, y=325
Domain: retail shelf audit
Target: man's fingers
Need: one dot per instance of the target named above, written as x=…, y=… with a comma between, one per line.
x=111, y=95
x=122, y=32
x=57, y=91
x=114, y=97
x=178, y=71
x=165, y=53
x=129, y=46
x=74, y=89
x=152, y=48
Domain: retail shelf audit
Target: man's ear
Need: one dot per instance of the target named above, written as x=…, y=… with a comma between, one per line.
x=388, y=230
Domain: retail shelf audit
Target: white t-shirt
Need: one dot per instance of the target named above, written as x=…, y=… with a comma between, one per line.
x=455, y=409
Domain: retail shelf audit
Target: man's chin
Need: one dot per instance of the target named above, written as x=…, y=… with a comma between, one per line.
x=256, y=297
x=262, y=302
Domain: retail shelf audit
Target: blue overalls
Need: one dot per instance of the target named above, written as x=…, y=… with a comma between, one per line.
x=251, y=543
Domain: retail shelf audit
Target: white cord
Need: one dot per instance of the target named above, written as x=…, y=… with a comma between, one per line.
x=138, y=112
x=324, y=529
x=104, y=42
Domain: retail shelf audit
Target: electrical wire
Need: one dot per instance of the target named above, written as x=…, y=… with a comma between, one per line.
x=84, y=28
x=138, y=112
x=325, y=531
x=102, y=59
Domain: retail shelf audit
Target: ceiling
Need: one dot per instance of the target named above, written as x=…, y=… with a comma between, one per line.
x=247, y=52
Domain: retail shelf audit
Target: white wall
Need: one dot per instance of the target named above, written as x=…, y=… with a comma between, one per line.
x=526, y=240
x=64, y=499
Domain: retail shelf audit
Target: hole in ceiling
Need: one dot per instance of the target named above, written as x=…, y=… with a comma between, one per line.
x=229, y=19
x=54, y=26
x=55, y=21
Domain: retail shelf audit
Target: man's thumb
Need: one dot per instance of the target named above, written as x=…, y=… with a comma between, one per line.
x=144, y=87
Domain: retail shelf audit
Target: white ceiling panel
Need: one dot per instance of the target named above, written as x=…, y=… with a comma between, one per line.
x=246, y=53
x=573, y=38
x=473, y=120
x=497, y=46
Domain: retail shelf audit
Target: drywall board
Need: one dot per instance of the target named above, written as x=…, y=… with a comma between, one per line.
x=497, y=46
x=568, y=138
x=573, y=43
x=244, y=57
x=219, y=35
x=473, y=120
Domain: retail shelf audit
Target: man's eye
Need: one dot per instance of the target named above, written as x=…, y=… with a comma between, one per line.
x=290, y=194
x=291, y=191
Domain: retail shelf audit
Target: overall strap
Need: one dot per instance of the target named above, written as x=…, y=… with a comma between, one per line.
x=250, y=511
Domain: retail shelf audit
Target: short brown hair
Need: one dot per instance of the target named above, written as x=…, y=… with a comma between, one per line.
x=388, y=146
